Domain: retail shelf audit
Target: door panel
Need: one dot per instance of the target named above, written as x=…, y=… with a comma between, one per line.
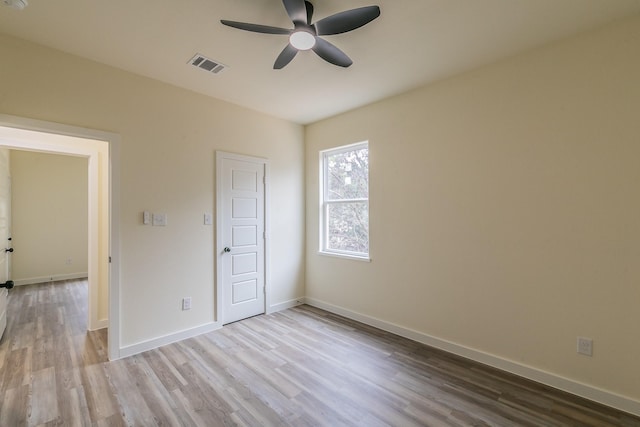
x=244, y=208
x=245, y=235
x=244, y=291
x=242, y=229
x=244, y=264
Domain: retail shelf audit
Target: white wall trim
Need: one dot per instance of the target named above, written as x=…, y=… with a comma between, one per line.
x=284, y=305
x=52, y=278
x=565, y=384
x=143, y=346
x=100, y=324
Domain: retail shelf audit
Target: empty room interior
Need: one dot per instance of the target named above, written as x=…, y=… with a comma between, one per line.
x=430, y=215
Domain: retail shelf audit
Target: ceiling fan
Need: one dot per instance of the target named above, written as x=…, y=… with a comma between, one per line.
x=305, y=35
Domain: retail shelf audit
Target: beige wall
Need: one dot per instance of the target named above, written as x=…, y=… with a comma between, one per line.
x=505, y=210
x=49, y=211
x=168, y=141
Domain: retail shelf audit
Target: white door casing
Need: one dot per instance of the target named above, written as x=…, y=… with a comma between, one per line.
x=241, y=236
x=104, y=171
x=5, y=213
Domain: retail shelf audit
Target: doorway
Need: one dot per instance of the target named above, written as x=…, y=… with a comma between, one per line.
x=50, y=220
x=101, y=150
x=241, y=230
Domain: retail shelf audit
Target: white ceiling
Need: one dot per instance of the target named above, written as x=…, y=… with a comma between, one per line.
x=414, y=42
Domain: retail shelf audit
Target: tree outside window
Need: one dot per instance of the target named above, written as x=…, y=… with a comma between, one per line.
x=345, y=200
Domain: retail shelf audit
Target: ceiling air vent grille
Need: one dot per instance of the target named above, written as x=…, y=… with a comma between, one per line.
x=207, y=64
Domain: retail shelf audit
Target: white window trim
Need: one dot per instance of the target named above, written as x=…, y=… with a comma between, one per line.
x=324, y=204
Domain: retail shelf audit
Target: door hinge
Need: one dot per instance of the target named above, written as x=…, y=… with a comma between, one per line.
x=109, y=260
x=264, y=234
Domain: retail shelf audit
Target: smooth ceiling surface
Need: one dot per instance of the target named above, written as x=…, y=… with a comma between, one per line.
x=414, y=42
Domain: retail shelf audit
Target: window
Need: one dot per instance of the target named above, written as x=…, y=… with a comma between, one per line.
x=344, y=193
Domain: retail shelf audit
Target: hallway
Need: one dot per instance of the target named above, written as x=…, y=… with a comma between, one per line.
x=46, y=339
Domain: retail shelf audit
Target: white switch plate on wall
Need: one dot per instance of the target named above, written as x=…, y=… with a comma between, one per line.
x=208, y=219
x=159, y=219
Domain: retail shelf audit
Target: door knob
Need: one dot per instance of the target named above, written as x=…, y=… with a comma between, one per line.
x=8, y=284
x=227, y=249
x=9, y=250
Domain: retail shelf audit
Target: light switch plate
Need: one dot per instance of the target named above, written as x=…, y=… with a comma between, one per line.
x=208, y=219
x=159, y=219
x=146, y=217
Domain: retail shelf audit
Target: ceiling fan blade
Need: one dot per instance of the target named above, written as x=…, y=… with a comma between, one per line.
x=256, y=28
x=287, y=54
x=297, y=11
x=330, y=53
x=347, y=20
x=309, y=11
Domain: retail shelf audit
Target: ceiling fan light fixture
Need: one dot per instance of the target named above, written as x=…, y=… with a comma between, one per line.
x=308, y=35
x=302, y=40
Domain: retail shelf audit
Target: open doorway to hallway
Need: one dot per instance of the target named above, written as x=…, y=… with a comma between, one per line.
x=49, y=226
x=101, y=151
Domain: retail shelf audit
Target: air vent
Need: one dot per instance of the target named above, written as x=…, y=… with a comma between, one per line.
x=207, y=64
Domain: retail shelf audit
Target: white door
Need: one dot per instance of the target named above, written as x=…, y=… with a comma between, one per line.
x=241, y=238
x=5, y=212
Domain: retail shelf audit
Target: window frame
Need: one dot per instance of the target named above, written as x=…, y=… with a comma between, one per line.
x=325, y=202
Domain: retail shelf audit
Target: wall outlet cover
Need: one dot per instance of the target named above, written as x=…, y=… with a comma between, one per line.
x=585, y=346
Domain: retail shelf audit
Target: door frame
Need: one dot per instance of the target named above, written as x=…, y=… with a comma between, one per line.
x=48, y=137
x=221, y=156
x=8, y=243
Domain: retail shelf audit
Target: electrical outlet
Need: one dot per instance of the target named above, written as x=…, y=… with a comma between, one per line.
x=585, y=346
x=186, y=303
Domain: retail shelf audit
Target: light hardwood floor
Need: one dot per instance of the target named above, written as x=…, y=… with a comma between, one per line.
x=299, y=367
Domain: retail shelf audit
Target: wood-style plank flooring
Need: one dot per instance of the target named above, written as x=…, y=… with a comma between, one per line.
x=299, y=367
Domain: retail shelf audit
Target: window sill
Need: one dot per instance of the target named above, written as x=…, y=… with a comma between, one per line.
x=345, y=256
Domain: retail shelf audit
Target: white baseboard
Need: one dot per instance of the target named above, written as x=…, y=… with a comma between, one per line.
x=52, y=278
x=141, y=347
x=102, y=324
x=284, y=305
x=565, y=384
